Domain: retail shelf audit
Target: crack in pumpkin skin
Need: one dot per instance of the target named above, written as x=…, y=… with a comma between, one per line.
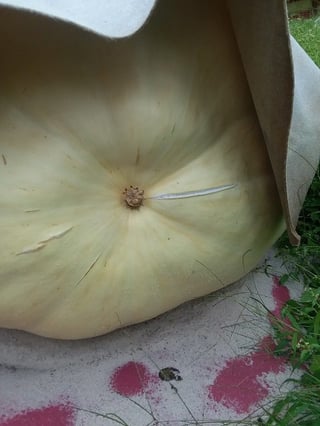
x=191, y=194
x=42, y=244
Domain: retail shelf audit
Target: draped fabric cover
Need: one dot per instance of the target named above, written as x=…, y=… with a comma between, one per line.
x=284, y=82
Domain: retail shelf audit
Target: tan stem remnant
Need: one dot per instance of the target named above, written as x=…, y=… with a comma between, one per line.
x=133, y=197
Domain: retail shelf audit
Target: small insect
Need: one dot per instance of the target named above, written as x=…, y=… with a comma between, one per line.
x=170, y=373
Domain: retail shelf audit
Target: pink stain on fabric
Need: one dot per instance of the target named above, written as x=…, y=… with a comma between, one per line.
x=133, y=379
x=238, y=386
x=56, y=415
x=280, y=294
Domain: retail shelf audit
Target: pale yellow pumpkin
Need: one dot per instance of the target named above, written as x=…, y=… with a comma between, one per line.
x=83, y=118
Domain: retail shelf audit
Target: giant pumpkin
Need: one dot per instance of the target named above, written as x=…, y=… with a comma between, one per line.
x=134, y=174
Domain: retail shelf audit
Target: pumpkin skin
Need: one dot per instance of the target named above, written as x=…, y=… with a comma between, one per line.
x=82, y=118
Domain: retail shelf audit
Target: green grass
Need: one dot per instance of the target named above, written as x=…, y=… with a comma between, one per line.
x=297, y=333
x=307, y=32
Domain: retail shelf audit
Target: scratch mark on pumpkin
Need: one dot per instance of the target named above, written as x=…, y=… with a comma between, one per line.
x=89, y=269
x=4, y=159
x=137, y=157
x=243, y=259
x=57, y=235
x=41, y=244
x=211, y=272
x=32, y=211
x=31, y=249
x=173, y=128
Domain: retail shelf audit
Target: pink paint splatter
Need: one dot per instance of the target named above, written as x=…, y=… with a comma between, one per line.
x=56, y=415
x=280, y=295
x=132, y=379
x=237, y=386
